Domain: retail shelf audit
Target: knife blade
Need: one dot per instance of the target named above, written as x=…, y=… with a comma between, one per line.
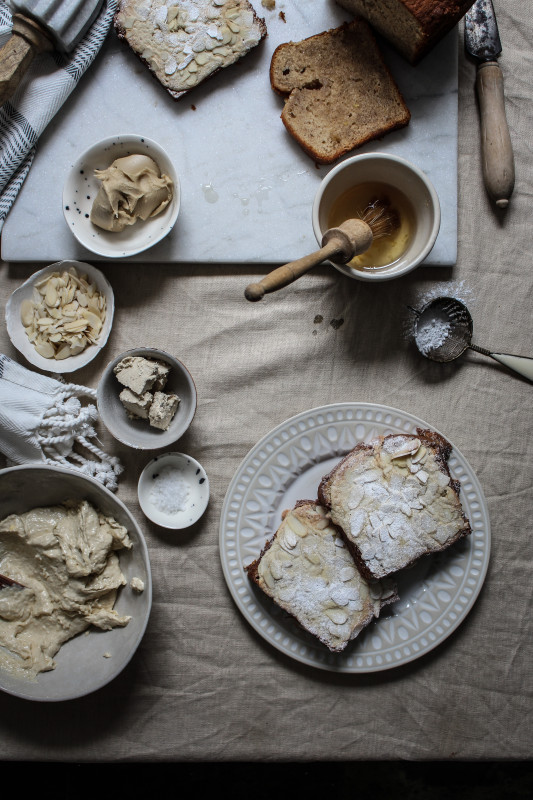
x=482, y=42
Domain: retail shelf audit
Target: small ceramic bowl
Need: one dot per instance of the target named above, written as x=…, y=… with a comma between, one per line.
x=138, y=433
x=18, y=334
x=81, y=188
x=400, y=175
x=173, y=490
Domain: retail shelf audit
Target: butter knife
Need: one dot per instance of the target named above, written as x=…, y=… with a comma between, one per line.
x=482, y=42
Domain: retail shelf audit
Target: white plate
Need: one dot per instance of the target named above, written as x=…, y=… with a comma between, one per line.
x=287, y=465
x=81, y=187
x=19, y=337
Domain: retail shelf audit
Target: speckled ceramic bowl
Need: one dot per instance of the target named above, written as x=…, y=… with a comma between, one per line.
x=173, y=490
x=138, y=433
x=81, y=188
x=87, y=662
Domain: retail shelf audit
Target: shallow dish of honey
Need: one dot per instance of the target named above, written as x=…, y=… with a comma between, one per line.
x=350, y=187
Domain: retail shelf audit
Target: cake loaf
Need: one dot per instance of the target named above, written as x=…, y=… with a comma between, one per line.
x=183, y=43
x=307, y=570
x=338, y=91
x=413, y=27
x=395, y=501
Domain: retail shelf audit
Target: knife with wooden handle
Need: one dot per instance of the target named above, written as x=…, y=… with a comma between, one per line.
x=482, y=42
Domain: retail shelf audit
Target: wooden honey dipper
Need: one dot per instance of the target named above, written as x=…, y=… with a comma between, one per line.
x=349, y=239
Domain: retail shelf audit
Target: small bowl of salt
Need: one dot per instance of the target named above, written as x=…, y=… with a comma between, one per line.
x=173, y=490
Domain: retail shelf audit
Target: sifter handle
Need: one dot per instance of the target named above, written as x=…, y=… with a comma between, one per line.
x=523, y=365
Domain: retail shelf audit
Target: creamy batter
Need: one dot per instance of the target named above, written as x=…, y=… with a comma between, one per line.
x=65, y=557
x=132, y=188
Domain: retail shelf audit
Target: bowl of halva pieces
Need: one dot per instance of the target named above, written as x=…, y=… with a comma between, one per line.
x=146, y=398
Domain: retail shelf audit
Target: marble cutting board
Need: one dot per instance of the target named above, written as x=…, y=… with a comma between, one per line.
x=247, y=188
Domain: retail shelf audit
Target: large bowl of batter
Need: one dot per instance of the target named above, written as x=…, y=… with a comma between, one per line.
x=95, y=657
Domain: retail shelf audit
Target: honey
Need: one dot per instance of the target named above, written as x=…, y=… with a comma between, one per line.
x=386, y=250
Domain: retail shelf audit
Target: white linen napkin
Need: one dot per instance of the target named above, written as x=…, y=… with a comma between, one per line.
x=46, y=85
x=43, y=420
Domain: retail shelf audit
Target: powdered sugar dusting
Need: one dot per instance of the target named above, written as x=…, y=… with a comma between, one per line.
x=432, y=333
x=456, y=289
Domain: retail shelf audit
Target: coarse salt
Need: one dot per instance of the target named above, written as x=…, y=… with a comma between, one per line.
x=170, y=491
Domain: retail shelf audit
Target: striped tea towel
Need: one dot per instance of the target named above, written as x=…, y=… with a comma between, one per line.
x=48, y=82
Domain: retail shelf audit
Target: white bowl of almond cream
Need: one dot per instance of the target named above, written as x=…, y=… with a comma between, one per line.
x=122, y=196
x=84, y=566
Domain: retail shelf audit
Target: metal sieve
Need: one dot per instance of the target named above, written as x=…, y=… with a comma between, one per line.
x=443, y=331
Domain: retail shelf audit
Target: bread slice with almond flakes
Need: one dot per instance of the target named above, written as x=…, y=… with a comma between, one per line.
x=307, y=571
x=186, y=42
x=395, y=501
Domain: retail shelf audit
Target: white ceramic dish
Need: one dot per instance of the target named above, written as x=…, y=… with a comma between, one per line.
x=81, y=187
x=285, y=466
x=396, y=172
x=138, y=433
x=81, y=665
x=19, y=337
x=193, y=475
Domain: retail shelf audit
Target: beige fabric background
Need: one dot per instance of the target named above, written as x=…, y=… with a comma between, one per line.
x=203, y=685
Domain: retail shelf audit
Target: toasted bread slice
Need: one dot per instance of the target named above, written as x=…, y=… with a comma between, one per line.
x=306, y=569
x=395, y=501
x=184, y=43
x=338, y=91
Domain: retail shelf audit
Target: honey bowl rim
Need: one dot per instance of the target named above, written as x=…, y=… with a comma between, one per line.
x=431, y=208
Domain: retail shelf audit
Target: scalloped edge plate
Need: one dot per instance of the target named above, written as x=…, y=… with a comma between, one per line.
x=286, y=465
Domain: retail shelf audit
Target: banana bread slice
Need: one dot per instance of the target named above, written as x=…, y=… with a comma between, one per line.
x=338, y=91
x=307, y=570
x=395, y=501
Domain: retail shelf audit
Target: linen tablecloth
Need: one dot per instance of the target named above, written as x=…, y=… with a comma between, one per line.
x=203, y=685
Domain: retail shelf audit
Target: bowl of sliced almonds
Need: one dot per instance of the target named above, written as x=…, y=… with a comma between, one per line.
x=61, y=317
